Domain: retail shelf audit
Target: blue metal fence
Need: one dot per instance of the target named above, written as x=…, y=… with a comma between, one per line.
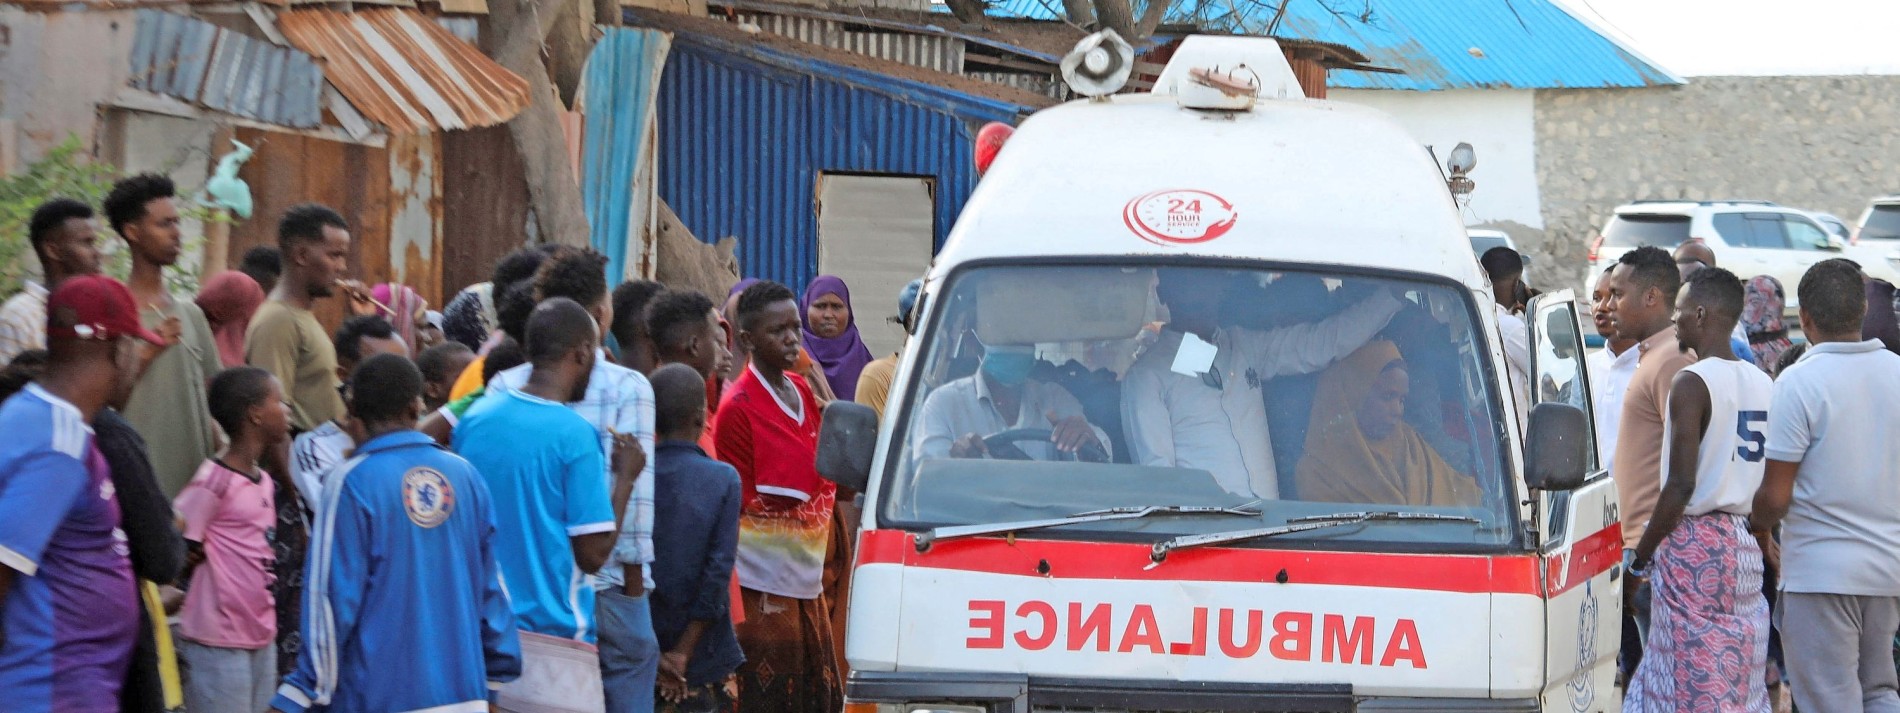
x=747, y=130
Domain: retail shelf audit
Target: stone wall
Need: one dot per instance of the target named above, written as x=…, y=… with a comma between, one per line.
x=1821, y=143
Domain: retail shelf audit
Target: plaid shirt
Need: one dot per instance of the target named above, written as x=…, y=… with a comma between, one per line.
x=618, y=400
x=23, y=322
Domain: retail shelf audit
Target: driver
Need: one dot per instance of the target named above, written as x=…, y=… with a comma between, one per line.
x=1001, y=397
x=1192, y=400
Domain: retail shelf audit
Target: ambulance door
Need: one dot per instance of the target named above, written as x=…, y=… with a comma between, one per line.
x=1579, y=533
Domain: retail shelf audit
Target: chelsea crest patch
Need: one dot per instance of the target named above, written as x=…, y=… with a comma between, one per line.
x=427, y=496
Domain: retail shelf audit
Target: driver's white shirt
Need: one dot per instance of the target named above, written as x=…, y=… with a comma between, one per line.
x=964, y=406
x=1179, y=421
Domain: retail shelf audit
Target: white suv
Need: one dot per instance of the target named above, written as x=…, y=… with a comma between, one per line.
x=1749, y=238
x=1881, y=221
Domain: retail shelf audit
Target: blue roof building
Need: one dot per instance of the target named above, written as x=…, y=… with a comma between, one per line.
x=1435, y=44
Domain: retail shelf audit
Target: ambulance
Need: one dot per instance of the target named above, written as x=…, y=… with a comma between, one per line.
x=1207, y=410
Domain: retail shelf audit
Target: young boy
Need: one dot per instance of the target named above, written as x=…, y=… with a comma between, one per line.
x=1707, y=647
x=440, y=366
x=413, y=615
x=768, y=430
x=695, y=537
x=229, y=624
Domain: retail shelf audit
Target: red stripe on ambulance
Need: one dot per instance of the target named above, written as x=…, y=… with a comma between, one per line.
x=1467, y=574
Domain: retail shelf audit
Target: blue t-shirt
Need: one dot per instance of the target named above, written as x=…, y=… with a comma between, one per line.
x=543, y=466
x=72, y=613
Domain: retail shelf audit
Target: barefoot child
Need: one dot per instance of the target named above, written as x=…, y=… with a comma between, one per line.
x=228, y=627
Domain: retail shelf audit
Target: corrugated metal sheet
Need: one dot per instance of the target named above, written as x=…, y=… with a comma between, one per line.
x=938, y=53
x=623, y=74
x=1471, y=44
x=194, y=60
x=746, y=131
x=404, y=71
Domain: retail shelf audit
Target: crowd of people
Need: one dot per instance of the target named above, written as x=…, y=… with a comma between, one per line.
x=1759, y=487
x=558, y=493
x=553, y=494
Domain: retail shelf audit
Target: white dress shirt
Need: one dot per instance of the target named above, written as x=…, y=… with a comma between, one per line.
x=1181, y=421
x=965, y=406
x=1609, y=379
x=1517, y=361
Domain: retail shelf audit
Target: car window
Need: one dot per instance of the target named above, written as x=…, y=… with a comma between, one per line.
x=1803, y=235
x=1751, y=230
x=1632, y=231
x=1310, y=392
x=1882, y=223
x=1480, y=244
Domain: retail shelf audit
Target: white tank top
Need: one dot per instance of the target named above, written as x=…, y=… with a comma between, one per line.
x=1734, y=448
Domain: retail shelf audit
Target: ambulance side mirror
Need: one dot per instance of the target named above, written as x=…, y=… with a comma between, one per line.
x=1556, y=447
x=846, y=443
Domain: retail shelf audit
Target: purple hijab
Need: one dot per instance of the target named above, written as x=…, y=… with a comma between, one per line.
x=842, y=356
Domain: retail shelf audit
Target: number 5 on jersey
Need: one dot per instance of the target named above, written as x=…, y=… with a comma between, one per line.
x=1753, y=440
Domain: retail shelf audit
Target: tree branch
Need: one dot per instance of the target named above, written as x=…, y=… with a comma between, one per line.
x=517, y=30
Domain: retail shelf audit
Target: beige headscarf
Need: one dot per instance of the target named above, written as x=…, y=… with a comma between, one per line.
x=1342, y=465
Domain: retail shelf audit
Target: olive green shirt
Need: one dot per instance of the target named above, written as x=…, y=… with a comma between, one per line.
x=290, y=344
x=168, y=406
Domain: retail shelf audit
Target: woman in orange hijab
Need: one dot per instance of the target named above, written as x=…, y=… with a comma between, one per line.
x=1359, y=449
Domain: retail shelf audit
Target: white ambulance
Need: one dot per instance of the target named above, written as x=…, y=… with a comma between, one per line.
x=1208, y=410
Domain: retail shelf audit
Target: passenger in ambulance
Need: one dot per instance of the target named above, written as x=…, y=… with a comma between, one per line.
x=1359, y=449
x=1000, y=412
x=1193, y=399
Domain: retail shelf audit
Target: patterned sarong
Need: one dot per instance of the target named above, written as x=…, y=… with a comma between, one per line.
x=1708, y=622
x=789, y=666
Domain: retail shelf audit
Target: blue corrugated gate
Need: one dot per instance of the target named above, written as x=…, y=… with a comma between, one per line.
x=746, y=131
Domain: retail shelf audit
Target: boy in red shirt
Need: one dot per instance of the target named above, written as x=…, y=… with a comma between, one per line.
x=768, y=430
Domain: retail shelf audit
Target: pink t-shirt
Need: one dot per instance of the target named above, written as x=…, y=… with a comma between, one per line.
x=229, y=604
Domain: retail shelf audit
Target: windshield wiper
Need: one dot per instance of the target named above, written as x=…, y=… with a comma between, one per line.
x=1299, y=524
x=1131, y=512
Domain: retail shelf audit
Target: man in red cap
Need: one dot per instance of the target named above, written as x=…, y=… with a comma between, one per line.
x=68, y=604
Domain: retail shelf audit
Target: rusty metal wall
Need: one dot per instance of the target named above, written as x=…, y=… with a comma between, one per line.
x=391, y=197
x=481, y=176
x=938, y=53
x=415, y=225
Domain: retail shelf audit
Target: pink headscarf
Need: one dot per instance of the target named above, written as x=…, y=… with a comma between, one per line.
x=228, y=300
x=403, y=304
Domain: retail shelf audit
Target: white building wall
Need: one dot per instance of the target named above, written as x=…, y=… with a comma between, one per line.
x=1497, y=123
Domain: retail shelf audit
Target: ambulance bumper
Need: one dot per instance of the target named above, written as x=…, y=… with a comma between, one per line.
x=918, y=692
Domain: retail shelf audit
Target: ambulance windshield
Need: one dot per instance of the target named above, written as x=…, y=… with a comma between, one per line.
x=1050, y=390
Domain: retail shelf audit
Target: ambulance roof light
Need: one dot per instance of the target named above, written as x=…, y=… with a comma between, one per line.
x=1206, y=71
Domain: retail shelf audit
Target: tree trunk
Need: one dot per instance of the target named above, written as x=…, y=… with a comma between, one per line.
x=516, y=31
x=1151, y=18
x=1080, y=12
x=566, y=48
x=970, y=12
x=1116, y=15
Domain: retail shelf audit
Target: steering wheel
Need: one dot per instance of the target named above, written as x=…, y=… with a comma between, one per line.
x=1003, y=446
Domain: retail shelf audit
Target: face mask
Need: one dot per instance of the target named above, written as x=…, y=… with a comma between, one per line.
x=1008, y=368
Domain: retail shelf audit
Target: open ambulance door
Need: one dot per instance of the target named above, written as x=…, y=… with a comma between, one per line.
x=1579, y=533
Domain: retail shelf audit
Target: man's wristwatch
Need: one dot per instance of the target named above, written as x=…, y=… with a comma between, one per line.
x=1629, y=565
